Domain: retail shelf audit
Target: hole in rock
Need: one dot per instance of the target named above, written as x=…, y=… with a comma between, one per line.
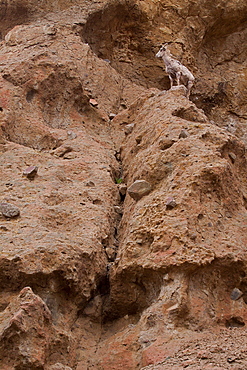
x=30, y=95
x=3, y=306
x=224, y=26
x=131, y=293
x=103, y=285
x=122, y=197
x=208, y=103
x=1, y=109
x=235, y=322
x=245, y=297
x=245, y=201
x=119, y=34
x=222, y=44
x=97, y=201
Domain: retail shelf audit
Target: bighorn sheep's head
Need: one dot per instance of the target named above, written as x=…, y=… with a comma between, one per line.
x=162, y=50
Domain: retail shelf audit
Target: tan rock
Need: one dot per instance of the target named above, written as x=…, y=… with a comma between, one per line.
x=9, y=210
x=138, y=189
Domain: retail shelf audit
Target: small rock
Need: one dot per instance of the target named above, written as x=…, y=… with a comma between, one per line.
x=230, y=360
x=236, y=294
x=173, y=308
x=112, y=115
x=71, y=135
x=70, y=155
x=188, y=363
x=62, y=150
x=170, y=203
x=178, y=90
x=138, y=189
x=122, y=189
x=165, y=143
x=50, y=30
x=30, y=172
x=128, y=128
x=111, y=253
x=3, y=228
x=202, y=355
x=93, y=308
x=193, y=236
x=90, y=183
x=118, y=210
x=139, y=139
x=8, y=210
x=93, y=102
x=183, y=134
x=232, y=157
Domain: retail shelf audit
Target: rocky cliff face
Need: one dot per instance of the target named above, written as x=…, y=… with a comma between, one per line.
x=123, y=209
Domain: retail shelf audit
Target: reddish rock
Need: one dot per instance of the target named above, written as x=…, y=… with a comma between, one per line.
x=71, y=135
x=93, y=102
x=62, y=150
x=26, y=324
x=183, y=134
x=30, y=172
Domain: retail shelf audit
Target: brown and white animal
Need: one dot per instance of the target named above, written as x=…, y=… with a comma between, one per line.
x=177, y=72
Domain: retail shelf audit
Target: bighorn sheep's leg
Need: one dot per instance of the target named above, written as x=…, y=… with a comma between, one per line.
x=189, y=86
x=171, y=81
x=178, y=75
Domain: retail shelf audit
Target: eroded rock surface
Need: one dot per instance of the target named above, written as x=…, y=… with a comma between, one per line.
x=92, y=274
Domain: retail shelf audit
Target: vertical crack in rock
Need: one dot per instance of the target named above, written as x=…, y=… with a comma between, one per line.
x=153, y=237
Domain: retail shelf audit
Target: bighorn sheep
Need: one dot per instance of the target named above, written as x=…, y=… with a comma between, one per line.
x=176, y=70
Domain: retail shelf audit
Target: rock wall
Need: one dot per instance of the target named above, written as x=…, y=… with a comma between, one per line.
x=123, y=209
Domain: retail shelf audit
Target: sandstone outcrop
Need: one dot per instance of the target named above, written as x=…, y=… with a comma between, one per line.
x=95, y=274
